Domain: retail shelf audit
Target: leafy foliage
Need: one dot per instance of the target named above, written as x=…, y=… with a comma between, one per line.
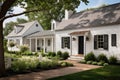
x=90, y=57
x=51, y=9
x=11, y=44
x=10, y=25
x=65, y=55
x=24, y=48
x=59, y=53
x=102, y=57
x=112, y=60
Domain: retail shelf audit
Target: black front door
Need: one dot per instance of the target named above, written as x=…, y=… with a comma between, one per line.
x=80, y=44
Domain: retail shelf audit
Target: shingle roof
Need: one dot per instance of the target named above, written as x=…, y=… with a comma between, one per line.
x=107, y=15
x=43, y=33
x=26, y=26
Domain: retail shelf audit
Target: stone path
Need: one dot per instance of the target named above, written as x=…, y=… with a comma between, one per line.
x=43, y=75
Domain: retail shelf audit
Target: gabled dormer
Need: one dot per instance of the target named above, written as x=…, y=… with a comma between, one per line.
x=18, y=28
x=53, y=24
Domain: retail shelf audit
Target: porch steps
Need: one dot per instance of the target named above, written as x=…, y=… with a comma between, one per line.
x=76, y=58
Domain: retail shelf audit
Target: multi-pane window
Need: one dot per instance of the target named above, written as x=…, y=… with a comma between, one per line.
x=101, y=41
x=65, y=42
x=113, y=40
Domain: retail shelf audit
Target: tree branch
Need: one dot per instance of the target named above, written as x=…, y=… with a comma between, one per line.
x=13, y=15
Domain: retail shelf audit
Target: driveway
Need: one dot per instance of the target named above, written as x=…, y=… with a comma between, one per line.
x=43, y=75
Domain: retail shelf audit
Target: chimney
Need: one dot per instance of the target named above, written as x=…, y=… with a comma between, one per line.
x=53, y=24
x=68, y=14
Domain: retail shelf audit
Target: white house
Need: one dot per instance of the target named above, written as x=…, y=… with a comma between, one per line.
x=21, y=31
x=96, y=30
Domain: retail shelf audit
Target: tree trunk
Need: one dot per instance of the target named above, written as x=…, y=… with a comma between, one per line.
x=2, y=63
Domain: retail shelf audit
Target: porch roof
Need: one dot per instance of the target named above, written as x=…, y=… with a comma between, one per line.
x=79, y=32
x=42, y=33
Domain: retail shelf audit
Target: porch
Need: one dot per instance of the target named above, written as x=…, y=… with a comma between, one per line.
x=79, y=40
x=42, y=41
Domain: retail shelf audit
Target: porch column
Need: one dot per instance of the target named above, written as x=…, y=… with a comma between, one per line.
x=44, y=44
x=21, y=41
x=71, y=44
x=36, y=44
x=30, y=44
x=52, y=44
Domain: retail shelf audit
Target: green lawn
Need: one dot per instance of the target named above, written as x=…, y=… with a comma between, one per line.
x=103, y=73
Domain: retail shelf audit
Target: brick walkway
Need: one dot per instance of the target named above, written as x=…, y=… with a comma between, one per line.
x=43, y=75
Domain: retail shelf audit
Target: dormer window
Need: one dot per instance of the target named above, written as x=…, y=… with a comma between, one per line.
x=18, y=28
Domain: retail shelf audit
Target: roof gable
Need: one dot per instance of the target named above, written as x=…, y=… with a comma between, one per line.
x=24, y=29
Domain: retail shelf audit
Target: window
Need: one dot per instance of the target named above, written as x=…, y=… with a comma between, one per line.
x=101, y=41
x=48, y=42
x=36, y=25
x=65, y=42
x=113, y=40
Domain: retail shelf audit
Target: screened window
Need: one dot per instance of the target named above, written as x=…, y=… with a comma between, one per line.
x=66, y=42
x=101, y=41
x=113, y=40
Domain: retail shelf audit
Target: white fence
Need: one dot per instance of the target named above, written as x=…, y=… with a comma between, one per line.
x=8, y=62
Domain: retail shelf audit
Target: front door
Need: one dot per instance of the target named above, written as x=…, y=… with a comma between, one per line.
x=80, y=44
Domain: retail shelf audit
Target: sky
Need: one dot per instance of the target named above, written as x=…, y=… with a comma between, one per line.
x=91, y=4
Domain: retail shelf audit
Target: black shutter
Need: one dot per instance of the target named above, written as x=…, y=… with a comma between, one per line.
x=95, y=41
x=106, y=42
x=113, y=40
x=62, y=42
x=68, y=42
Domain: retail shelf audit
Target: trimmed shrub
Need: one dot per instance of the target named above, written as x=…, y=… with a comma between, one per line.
x=28, y=53
x=70, y=64
x=89, y=62
x=64, y=64
x=90, y=57
x=48, y=64
x=83, y=61
x=112, y=60
x=24, y=48
x=51, y=54
x=59, y=53
x=105, y=64
x=102, y=58
x=101, y=63
x=42, y=53
x=65, y=55
x=94, y=63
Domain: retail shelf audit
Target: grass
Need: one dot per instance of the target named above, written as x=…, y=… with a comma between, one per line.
x=103, y=73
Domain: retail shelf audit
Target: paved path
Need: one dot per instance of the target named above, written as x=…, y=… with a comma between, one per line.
x=43, y=75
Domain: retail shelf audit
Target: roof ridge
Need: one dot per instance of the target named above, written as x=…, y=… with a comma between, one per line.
x=95, y=8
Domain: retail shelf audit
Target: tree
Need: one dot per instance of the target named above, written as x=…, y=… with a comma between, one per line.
x=37, y=6
x=10, y=25
x=56, y=10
